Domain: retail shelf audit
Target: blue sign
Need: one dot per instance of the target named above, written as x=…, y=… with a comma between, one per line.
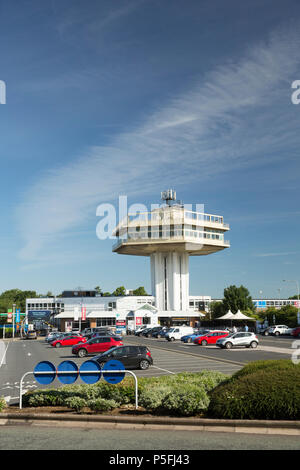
x=18, y=315
x=70, y=372
x=39, y=315
x=44, y=366
x=90, y=372
x=108, y=372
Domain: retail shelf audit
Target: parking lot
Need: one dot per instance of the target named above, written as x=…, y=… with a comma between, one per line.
x=169, y=358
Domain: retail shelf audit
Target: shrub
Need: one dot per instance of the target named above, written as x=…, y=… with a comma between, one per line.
x=268, y=393
x=3, y=403
x=100, y=404
x=75, y=403
x=152, y=398
x=186, y=401
x=255, y=366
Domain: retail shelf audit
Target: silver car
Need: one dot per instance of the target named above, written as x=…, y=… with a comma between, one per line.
x=247, y=339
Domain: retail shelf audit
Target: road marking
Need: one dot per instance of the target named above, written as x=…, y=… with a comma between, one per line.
x=4, y=354
x=165, y=370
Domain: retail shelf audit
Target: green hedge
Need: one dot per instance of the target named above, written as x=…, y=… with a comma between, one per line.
x=181, y=394
x=261, y=390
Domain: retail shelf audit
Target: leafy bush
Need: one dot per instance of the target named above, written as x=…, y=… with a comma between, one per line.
x=152, y=398
x=255, y=366
x=155, y=393
x=3, y=404
x=75, y=403
x=267, y=393
x=186, y=401
x=100, y=404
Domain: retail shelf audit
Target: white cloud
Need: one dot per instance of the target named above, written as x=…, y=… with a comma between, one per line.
x=239, y=115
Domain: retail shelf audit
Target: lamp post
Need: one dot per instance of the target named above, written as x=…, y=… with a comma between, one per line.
x=14, y=310
x=298, y=291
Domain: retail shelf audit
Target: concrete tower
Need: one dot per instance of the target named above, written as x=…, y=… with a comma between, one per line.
x=169, y=235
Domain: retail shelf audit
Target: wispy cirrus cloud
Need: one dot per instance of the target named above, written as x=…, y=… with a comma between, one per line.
x=286, y=253
x=238, y=115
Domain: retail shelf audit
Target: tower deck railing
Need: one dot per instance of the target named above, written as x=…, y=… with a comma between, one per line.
x=170, y=236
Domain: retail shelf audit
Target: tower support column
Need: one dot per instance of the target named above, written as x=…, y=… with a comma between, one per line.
x=170, y=280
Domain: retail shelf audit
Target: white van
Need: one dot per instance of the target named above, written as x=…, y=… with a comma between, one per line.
x=178, y=331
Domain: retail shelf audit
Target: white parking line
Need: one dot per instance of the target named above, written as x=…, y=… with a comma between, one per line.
x=4, y=355
x=165, y=370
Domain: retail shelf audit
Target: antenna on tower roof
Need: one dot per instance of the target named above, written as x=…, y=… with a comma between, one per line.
x=168, y=196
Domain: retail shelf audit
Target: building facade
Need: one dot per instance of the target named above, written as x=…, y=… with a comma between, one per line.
x=127, y=312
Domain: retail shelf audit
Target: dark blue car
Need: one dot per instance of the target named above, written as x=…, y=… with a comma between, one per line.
x=190, y=338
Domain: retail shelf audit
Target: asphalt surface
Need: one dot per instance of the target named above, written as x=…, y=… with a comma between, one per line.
x=20, y=356
x=22, y=437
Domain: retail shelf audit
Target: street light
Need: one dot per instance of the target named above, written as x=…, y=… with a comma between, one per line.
x=297, y=284
x=14, y=310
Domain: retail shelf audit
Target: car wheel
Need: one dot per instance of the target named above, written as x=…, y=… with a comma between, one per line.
x=253, y=344
x=82, y=353
x=204, y=342
x=228, y=345
x=277, y=333
x=172, y=339
x=144, y=365
x=158, y=336
x=58, y=345
x=266, y=333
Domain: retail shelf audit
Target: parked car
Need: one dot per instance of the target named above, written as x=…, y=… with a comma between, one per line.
x=196, y=334
x=264, y=331
x=296, y=332
x=68, y=341
x=60, y=335
x=31, y=335
x=51, y=336
x=277, y=330
x=136, y=357
x=211, y=337
x=247, y=339
x=97, y=329
x=178, y=331
x=141, y=331
x=97, y=345
x=161, y=333
x=149, y=332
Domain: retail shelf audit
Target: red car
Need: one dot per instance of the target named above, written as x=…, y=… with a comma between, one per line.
x=296, y=331
x=210, y=338
x=68, y=341
x=97, y=345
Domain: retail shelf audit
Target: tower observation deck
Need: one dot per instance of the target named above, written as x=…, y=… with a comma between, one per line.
x=169, y=235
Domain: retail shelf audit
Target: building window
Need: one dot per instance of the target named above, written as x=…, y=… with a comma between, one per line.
x=106, y=321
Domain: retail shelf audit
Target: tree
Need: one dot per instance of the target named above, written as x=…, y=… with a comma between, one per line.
x=237, y=298
x=216, y=310
x=15, y=296
x=98, y=290
x=140, y=291
x=119, y=292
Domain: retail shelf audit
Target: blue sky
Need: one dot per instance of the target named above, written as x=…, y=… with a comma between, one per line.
x=133, y=97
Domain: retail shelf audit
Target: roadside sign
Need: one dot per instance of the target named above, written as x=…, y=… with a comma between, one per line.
x=18, y=315
x=108, y=372
x=70, y=372
x=44, y=378
x=83, y=313
x=90, y=372
x=76, y=314
x=9, y=315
